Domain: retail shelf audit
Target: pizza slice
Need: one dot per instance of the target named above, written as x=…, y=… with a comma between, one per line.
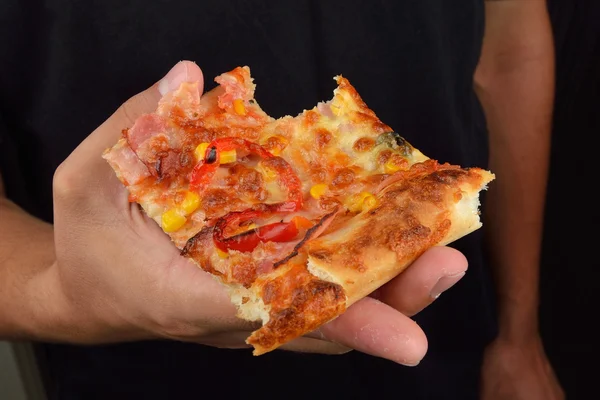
x=298, y=217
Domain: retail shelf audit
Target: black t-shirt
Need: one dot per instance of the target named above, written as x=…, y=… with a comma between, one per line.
x=65, y=66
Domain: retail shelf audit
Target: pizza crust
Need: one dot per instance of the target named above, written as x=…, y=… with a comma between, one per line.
x=379, y=244
x=432, y=208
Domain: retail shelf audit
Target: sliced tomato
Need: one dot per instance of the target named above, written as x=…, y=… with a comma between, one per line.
x=247, y=241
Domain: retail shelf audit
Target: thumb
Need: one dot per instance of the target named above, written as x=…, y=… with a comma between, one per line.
x=87, y=159
x=145, y=102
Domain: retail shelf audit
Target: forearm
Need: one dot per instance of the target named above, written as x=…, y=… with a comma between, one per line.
x=515, y=82
x=29, y=285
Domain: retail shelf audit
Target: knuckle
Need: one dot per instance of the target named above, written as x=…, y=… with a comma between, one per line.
x=65, y=181
x=135, y=106
x=127, y=111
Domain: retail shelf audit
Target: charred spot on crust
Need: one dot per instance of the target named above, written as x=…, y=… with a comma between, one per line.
x=212, y=155
x=190, y=246
x=313, y=302
x=447, y=176
x=364, y=144
x=309, y=233
x=321, y=254
x=343, y=178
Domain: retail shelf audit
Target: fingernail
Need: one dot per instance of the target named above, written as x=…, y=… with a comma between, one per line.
x=411, y=364
x=445, y=283
x=174, y=78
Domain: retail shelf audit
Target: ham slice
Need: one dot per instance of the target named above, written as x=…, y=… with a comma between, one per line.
x=144, y=128
x=127, y=164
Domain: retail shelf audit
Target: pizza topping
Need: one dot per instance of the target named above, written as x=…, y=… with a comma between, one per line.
x=200, y=150
x=238, y=87
x=216, y=201
x=313, y=231
x=395, y=163
x=275, y=144
x=133, y=170
x=223, y=150
x=384, y=156
x=318, y=190
x=238, y=107
x=190, y=202
x=396, y=142
x=143, y=129
x=247, y=241
x=173, y=220
x=361, y=202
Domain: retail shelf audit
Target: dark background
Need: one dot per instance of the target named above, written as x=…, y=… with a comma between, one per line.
x=570, y=267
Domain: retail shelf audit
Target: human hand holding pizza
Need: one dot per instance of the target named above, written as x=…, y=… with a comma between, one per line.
x=126, y=281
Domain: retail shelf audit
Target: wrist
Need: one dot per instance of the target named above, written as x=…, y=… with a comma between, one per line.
x=519, y=323
x=63, y=318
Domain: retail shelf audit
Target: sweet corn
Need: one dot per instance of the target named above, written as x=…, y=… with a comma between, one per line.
x=201, y=150
x=221, y=253
x=190, y=203
x=238, y=107
x=172, y=220
x=361, y=201
x=228, y=156
x=390, y=166
x=275, y=144
x=318, y=190
x=369, y=202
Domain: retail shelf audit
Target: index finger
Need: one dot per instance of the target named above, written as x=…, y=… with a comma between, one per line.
x=374, y=328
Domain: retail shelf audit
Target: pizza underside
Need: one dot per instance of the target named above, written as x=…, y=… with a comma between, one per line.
x=298, y=217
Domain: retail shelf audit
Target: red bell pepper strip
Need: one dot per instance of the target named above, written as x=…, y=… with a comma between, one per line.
x=204, y=171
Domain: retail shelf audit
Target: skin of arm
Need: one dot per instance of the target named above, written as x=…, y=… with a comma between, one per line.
x=32, y=302
x=515, y=84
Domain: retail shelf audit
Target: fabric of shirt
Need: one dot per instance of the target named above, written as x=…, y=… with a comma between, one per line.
x=65, y=66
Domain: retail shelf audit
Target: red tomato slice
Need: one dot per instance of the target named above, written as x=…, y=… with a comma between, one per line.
x=247, y=241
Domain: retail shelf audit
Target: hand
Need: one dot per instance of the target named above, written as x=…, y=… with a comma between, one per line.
x=518, y=371
x=124, y=280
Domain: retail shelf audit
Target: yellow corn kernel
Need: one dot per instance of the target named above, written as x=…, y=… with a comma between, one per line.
x=390, y=166
x=275, y=144
x=201, y=150
x=369, y=202
x=228, y=156
x=318, y=190
x=172, y=220
x=238, y=107
x=361, y=201
x=221, y=253
x=190, y=202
